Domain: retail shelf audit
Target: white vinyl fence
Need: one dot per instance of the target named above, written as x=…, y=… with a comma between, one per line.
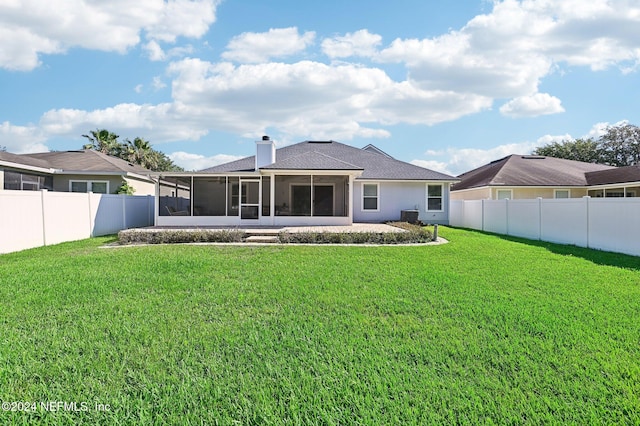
x=611, y=224
x=38, y=218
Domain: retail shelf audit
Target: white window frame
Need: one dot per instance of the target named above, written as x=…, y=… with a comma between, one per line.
x=510, y=191
x=89, y=184
x=377, y=197
x=555, y=193
x=426, y=206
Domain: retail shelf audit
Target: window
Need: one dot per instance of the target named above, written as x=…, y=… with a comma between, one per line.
x=434, y=197
x=370, y=196
x=26, y=182
x=561, y=193
x=504, y=194
x=99, y=187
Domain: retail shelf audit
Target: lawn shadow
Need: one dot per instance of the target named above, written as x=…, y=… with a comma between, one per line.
x=599, y=257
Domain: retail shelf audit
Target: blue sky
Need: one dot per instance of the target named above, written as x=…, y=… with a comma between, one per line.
x=446, y=85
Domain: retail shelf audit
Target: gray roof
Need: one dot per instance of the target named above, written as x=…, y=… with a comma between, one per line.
x=615, y=175
x=529, y=170
x=311, y=160
x=331, y=155
x=86, y=160
x=21, y=159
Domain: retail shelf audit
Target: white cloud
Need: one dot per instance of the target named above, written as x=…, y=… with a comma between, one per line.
x=505, y=53
x=532, y=106
x=22, y=139
x=158, y=123
x=29, y=28
x=138, y=88
x=198, y=162
x=360, y=43
x=260, y=47
x=156, y=53
x=310, y=99
x=460, y=160
x=599, y=129
x=158, y=84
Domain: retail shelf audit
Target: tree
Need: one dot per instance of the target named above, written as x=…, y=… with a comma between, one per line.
x=140, y=152
x=619, y=146
x=125, y=188
x=580, y=150
x=104, y=141
x=137, y=152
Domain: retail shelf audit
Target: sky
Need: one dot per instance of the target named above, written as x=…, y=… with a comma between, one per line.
x=445, y=85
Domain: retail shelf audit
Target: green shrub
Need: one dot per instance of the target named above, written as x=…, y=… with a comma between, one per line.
x=416, y=235
x=136, y=236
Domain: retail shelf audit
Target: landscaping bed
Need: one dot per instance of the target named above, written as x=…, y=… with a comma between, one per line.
x=409, y=234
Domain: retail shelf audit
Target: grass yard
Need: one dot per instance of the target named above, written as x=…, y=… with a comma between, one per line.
x=481, y=330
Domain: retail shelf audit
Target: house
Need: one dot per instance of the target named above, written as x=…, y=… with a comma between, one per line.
x=72, y=171
x=308, y=183
x=534, y=176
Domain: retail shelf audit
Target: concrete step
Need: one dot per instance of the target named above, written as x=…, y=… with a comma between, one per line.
x=262, y=239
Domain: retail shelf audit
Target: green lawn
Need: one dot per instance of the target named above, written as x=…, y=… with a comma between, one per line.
x=481, y=330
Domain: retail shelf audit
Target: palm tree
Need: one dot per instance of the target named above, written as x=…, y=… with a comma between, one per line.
x=140, y=152
x=104, y=141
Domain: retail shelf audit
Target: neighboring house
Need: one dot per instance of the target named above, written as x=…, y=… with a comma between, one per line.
x=72, y=171
x=533, y=176
x=309, y=183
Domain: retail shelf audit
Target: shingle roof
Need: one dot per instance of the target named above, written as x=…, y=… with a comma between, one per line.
x=529, y=170
x=85, y=161
x=311, y=160
x=616, y=175
x=21, y=159
x=375, y=165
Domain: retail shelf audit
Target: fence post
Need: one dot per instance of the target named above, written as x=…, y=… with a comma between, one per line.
x=587, y=200
x=506, y=214
x=44, y=214
x=482, y=209
x=539, y=218
x=124, y=211
x=91, y=220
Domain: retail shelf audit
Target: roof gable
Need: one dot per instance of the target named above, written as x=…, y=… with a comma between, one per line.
x=86, y=160
x=529, y=170
x=615, y=175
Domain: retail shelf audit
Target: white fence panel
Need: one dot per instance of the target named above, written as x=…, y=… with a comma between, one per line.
x=139, y=212
x=21, y=225
x=611, y=224
x=456, y=213
x=495, y=216
x=107, y=210
x=66, y=217
x=472, y=214
x=565, y=221
x=614, y=224
x=524, y=219
x=35, y=218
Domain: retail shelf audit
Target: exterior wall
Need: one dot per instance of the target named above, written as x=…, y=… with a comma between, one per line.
x=226, y=221
x=491, y=193
x=1, y=179
x=396, y=196
x=61, y=182
x=142, y=187
x=532, y=193
x=483, y=193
